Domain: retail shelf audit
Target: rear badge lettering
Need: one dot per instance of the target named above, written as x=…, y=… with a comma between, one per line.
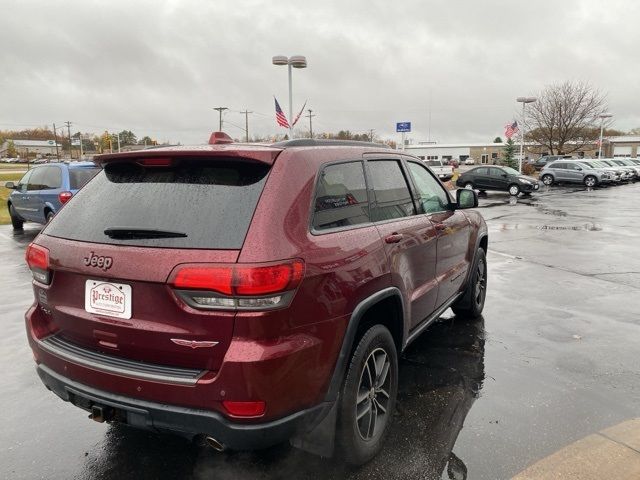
x=93, y=260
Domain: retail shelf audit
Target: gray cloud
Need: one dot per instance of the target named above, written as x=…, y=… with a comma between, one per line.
x=159, y=67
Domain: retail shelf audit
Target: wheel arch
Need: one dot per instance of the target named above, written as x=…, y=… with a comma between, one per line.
x=385, y=307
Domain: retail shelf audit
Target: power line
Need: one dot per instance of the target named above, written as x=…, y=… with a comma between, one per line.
x=310, y=117
x=220, y=110
x=68, y=124
x=246, y=124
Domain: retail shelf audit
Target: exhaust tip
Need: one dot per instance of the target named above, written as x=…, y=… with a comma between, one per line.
x=215, y=444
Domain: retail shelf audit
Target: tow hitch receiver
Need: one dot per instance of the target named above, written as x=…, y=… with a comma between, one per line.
x=101, y=414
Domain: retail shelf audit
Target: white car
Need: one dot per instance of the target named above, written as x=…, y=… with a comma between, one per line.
x=444, y=172
x=469, y=161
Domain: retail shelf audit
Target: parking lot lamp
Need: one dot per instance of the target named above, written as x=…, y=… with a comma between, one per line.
x=602, y=118
x=295, y=61
x=524, y=101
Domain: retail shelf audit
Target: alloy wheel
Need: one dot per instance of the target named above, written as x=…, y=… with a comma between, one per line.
x=481, y=283
x=372, y=400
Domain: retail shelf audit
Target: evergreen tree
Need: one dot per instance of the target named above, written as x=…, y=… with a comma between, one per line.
x=508, y=155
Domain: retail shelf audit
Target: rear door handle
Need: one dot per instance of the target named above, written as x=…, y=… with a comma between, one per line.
x=440, y=226
x=393, y=238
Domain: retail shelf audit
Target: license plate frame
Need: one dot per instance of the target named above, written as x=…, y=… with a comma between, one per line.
x=111, y=299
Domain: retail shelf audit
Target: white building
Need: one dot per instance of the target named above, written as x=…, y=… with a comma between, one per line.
x=30, y=147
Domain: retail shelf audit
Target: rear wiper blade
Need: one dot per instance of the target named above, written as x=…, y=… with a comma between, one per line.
x=133, y=233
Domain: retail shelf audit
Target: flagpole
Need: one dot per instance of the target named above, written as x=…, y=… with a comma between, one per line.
x=290, y=103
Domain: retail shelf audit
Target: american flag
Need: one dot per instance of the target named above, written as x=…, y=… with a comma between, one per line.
x=280, y=117
x=299, y=114
x=510, y=129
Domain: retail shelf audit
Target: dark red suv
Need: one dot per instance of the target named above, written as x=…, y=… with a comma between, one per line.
x=250, y=294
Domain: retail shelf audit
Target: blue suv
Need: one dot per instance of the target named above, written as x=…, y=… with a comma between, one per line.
x=43, y=190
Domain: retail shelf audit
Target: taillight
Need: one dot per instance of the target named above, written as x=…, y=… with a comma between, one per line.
x=37, y=258
x=239, y=286
x=64, y=197
x=245, y=409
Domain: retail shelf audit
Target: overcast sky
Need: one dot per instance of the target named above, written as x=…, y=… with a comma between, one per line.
x=159, y=67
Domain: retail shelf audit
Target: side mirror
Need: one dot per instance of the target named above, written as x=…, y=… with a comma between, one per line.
x=10, y=185
x=466, y=198
x=579, y=169
x=505, y=175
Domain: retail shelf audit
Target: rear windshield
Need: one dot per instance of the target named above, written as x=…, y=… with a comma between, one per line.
x=78, y=177
x=209, y=203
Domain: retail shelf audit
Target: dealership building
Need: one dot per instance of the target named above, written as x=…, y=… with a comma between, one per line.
x=490, y=153
x=30, y=147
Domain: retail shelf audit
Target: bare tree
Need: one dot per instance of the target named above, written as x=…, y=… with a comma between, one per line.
x=566, y=117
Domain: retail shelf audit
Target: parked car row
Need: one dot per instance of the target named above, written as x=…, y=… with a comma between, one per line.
x=590, y=172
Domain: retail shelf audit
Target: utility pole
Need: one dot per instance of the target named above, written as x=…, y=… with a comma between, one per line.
x=371, y=134
x=118, y=143
x=220, y=110
x=55, y=136
x=246, y=124
x=68, y=123
x=310, y=116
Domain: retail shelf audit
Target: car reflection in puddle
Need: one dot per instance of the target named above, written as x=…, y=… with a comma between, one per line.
x=441, y=375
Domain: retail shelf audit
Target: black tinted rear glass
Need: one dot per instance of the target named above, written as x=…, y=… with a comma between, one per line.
x=341, y=197
x=212, y=203
x=79, y=177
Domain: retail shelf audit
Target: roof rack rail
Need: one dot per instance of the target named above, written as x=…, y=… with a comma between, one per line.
x=312, y=142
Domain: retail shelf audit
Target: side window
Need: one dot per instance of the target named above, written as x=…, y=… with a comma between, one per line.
x=494, y=172
x=393, y=199
x=482, y=172
x=431, y=196
x=559, y=165
x=45, y=178
x=22, y=184
x=341, y=197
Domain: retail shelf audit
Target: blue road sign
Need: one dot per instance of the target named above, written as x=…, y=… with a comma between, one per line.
x=403, y=127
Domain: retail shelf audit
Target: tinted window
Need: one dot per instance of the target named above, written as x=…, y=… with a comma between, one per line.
x=392, y=197
x=560, y=165
x=431, y=196
x=480, y=171
x=433, y=163
x=341, y=197
x=78, y=177
x=495, y=172
x=45, y=178
x=211, y=202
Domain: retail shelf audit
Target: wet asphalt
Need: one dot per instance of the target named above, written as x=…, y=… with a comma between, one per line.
x=555, y=358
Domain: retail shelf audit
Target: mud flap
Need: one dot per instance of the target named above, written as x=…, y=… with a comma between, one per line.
x=319, y=437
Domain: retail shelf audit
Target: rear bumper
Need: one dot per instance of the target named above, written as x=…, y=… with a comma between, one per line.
x=187, y=422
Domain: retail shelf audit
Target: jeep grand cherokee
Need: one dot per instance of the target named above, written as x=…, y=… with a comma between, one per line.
x=250, y=294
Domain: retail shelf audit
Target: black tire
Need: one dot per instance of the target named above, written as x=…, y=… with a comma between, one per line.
x=590, y=181
x=373, y=400
x=16, y=221
x=547, y=180
x=49, y=215
x=471, y=303
x=514, y=190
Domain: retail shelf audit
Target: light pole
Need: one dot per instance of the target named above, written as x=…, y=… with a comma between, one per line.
x=524, y=101
x=602, y=117
x=296, y=61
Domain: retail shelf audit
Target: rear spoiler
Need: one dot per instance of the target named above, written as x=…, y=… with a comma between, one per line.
x=257, y=153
